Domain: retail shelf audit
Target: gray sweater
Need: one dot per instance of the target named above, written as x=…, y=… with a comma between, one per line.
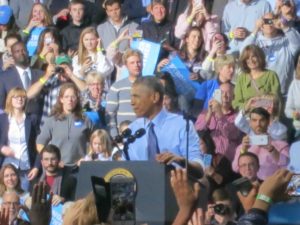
x=69, y=135
x=108, y=33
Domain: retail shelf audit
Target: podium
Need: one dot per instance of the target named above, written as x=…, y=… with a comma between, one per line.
x=155, y=202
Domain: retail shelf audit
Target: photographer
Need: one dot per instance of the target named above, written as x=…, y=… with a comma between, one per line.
x=221, y=212
x=50, y=83
x=272, y=154
x=273, y=189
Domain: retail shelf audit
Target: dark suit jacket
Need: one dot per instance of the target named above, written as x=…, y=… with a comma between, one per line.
x=68, y=184
x=10, y=79
x=31, y=130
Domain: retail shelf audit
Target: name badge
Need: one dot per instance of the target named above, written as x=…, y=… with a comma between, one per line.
x=271, y=57
x=78, y=123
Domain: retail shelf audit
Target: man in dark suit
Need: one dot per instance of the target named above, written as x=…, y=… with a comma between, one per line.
x=20, y=75
x=61, y=183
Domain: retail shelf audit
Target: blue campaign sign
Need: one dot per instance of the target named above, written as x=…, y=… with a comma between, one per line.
x=57, y=215
x=150, y=52
x=180, y=74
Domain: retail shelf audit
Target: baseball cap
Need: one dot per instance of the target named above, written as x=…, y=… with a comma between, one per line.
x=63, y=59
x=5, y=14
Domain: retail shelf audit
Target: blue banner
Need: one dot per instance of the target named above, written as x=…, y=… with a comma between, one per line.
x=181, y=77
x=150, y=52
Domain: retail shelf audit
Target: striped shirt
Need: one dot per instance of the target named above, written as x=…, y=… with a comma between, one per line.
x=119, y=105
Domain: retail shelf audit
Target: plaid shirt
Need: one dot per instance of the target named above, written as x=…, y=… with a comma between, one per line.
x=50, y=92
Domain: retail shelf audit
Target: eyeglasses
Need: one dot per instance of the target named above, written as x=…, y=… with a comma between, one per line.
x=94, y=84
x=73, y=97
x=19, y=97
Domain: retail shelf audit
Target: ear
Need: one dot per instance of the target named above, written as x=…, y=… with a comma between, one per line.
x=156, y=97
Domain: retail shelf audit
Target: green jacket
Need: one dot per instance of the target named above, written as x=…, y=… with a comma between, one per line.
x=268, y=83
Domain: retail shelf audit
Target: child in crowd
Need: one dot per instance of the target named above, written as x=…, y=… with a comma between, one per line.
x=99, y=148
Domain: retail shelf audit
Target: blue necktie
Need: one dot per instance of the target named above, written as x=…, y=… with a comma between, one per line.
x=152, y=146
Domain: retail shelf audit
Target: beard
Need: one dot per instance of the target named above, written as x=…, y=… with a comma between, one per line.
x=22, y=61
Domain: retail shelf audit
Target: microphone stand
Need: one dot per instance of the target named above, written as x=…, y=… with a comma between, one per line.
x=125, y=150
x=130, y=139
x=186, y=117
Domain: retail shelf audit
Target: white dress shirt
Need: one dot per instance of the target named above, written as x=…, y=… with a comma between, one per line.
x=21, y=74
x=17, y=142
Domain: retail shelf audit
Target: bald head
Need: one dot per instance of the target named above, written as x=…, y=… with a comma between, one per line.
x=10, y=197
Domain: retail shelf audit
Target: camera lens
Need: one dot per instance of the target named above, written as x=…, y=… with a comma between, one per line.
x=59, y=69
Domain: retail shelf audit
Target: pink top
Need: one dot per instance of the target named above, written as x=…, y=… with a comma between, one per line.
x=268, y=165
x=223, y=131
x=210, y=28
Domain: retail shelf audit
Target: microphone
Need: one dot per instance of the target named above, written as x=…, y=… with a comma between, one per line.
x=139, y=133
x=125, y=134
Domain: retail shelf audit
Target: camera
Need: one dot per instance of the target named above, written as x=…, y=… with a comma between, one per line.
x=59, y=69
x=222, y=209
x=268, y=21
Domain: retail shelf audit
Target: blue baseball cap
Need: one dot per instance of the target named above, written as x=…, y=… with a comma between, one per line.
x=5, y=14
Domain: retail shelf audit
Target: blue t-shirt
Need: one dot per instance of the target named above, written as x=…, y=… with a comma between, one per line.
x=33, y=40
x=206, y=91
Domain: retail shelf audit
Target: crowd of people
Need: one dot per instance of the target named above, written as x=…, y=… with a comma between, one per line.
x=65, y=100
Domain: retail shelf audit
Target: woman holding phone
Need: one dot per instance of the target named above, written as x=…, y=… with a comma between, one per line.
x=90, y=57
x=48, y=49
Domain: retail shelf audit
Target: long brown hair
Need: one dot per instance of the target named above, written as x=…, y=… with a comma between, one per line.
x=256, y=51
x=18, y=188
x=82, y=52
x=184, y=50
x=47, y=20
x=58, y=111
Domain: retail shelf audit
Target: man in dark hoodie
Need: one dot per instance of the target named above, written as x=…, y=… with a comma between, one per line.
x=159, y=29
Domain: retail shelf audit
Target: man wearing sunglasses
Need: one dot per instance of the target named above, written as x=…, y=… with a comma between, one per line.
x=280, y=43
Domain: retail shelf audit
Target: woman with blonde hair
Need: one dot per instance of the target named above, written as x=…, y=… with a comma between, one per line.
x=18, y=134
x=93, y=99
x=39, y=19
x=82, y=212
x=90, y=57
x=224, y=67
